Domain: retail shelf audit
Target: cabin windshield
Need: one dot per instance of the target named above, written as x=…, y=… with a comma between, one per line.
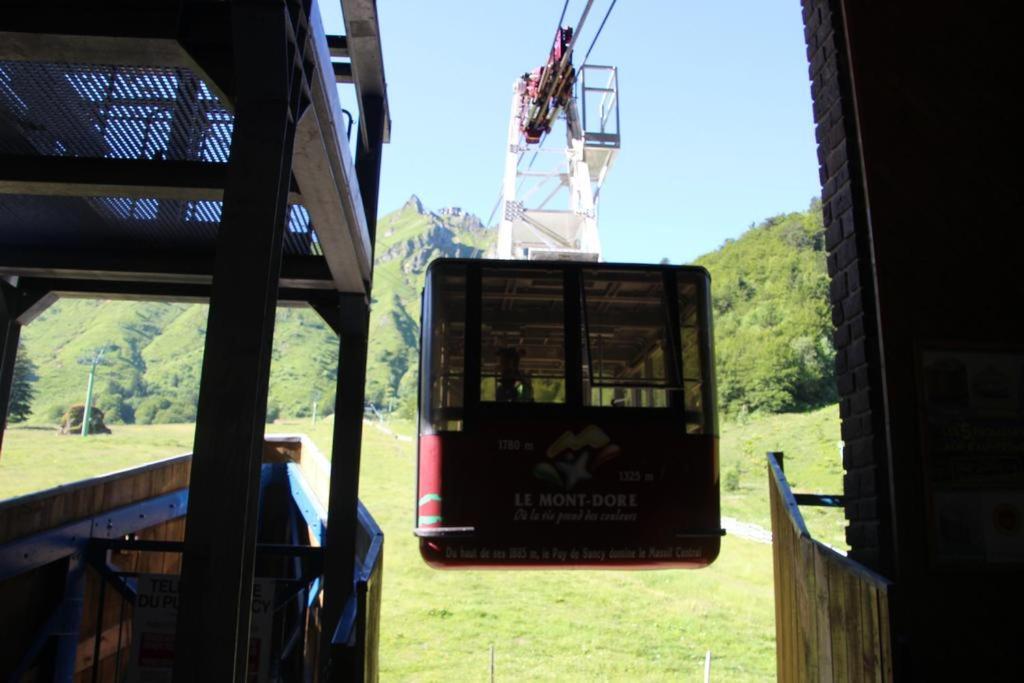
x=522, y=336
x=625, y=322
x=564, y=337
x=443, y=339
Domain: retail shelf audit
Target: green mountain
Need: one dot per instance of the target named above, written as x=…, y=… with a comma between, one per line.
x=408, y=240
x=770, y=291
x=773, y=322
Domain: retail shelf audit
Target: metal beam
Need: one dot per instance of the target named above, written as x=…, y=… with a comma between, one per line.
x=297, y=272
x=343, y=502
x=338, y=46
x=368, y=158
x=66, y=288
x=137, y=178
x=31, y=552
x=327, y=177
x=10, y=333
x=342, y=72
x=153, y=34
x=362, y=33
x=220, y=541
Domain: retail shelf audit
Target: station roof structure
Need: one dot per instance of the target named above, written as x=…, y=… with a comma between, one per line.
x=197, y=150
x=115, y=133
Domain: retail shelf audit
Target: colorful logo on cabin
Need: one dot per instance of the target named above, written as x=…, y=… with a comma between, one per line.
x=573, y=458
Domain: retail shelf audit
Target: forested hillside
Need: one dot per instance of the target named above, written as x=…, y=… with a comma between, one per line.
x=773, y=323
x=773, y=330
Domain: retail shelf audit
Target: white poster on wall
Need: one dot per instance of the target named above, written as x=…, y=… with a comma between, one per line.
x=153, y=628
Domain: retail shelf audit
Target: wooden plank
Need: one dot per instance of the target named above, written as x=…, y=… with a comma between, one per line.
x=79, y=504
x=108, y=647
x=885, y=634
x=824, y=624
x=777, y=540
x=785, y=633
x=48, y=509
x=141, y=487
x=108, y=669
x=867, y=615
x=30, y=520
x=832, y=614
x=281, y=450
x=167, y=560
x=179, y=535
x=793, y=608
x=855, y=645
x=56, y=512
x=837, y=618
x=317, y=470
x=791, y=615
x=806, y=597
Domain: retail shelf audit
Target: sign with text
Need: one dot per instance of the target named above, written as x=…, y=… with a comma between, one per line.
x=972, y=429
x=620, y=494
x=153, y=628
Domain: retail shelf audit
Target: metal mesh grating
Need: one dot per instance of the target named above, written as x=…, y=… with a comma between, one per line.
x=118, y=112
x=124, y=223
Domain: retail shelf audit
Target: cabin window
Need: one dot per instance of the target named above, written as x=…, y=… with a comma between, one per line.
x=443, y=388
x=627, y=357
x=693, y=362
x=522, y=336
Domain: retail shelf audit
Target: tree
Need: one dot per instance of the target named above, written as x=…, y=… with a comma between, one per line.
x=22, y=392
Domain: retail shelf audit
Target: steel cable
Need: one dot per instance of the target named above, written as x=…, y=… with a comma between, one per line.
x=598, y=34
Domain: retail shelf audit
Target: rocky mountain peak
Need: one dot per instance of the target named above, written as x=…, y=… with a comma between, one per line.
x=414, y=202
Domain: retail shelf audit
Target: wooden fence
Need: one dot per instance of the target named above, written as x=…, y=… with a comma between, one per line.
x=28, y=599
x=832, y=615
x=42, y=537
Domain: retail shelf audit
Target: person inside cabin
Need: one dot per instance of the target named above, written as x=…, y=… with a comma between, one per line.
x=513, y=383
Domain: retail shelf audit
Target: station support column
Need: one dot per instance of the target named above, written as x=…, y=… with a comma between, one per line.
x=220, y=539
x=10, y=333
x=352, y=324
x=342, y=517
x=18, y=307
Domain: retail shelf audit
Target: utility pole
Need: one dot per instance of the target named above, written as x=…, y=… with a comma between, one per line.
x=87, y=411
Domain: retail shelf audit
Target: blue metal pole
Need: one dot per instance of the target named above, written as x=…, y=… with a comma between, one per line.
x=66, y=632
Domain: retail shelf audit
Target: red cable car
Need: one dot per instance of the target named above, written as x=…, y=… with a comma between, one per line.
x=567, y=416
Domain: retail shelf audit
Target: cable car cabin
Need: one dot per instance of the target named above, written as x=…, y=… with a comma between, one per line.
x=567, y=416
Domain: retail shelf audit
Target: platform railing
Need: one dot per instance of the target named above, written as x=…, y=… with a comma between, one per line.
x=355, y=642
x=72, y=557
x=832, y=614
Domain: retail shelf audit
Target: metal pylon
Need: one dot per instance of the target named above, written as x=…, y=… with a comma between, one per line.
x=550, y=192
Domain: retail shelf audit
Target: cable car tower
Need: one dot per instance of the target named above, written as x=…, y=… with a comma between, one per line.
x=550, y=210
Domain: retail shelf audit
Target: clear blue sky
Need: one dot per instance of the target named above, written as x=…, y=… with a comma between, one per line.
x=717, y=131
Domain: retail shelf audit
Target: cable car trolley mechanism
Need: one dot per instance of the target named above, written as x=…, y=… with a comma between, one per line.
x=566, y=406
x=567, y=416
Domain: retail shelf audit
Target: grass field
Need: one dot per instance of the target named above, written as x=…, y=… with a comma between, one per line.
x=582, y=625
